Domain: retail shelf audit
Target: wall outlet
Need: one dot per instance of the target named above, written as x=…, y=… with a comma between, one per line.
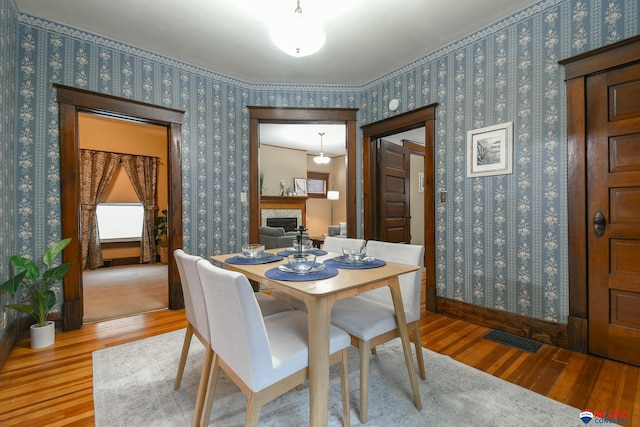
x=443, y=197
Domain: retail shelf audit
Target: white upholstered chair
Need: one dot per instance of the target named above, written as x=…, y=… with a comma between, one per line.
x=265, y=357
x=335, y=244
x=197, y=322
x=370, y=317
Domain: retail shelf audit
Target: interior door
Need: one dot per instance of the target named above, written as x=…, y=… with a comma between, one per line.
x=394, y=165
x=613, y=204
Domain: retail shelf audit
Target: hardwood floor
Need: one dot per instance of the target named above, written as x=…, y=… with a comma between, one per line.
x=53, y=386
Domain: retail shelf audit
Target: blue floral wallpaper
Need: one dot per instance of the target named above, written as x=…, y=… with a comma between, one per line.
x=501, y=241
x=8, y=93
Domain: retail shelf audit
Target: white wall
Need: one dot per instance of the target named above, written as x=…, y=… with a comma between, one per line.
x=281, y=164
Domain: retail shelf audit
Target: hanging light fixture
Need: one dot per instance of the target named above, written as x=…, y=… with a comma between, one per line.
x=321, y=159
x=296, y=35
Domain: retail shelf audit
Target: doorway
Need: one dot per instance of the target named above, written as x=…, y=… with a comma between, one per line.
x=122, y=286
x=71, y=102
x=423, y=117
x=259, y=115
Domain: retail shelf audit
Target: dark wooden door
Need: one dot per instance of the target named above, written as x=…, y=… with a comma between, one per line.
x=394, y=192
x=613, y=205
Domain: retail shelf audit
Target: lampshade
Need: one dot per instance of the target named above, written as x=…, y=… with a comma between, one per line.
x=296, y=35
x=333, y=195
x=321, y=159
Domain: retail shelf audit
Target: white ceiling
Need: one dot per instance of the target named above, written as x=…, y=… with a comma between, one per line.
x=365, y=40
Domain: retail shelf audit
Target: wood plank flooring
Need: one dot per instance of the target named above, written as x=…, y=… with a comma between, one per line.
x=53, y=386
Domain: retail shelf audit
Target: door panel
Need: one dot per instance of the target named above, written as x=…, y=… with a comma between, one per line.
x=394, y=192
x=613, y=184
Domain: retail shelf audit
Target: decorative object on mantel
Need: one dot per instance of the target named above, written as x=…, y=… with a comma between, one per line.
x=282, y=187
x=321, y=159
x=39, y=288
x=261, y=183
x=300, y=186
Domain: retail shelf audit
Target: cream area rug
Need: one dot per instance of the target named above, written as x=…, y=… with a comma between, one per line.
x=124, y=290
x=133, y=385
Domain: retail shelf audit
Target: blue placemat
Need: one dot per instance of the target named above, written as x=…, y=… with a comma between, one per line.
x=316, y=252
x=276, y=274
x=338, y=264
x=265, y=260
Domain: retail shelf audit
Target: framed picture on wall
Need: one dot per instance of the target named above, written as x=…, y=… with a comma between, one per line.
x=490, y=150
x=300, y=186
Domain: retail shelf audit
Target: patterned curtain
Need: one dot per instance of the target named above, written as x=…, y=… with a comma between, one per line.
x=143, y=173
x=96, y=171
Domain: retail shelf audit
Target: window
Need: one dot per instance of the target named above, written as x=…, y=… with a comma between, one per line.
x=317, y=184
x=120, y=222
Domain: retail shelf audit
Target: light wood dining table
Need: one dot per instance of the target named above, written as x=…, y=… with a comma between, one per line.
x=319, y=297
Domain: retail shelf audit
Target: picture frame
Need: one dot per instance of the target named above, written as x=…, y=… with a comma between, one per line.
x=490, y=150
x=421, y=182
x=300, y=186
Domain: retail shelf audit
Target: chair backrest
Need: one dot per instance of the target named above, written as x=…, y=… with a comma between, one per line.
x=335, y=244
x=238, y=333
x=192, y=290
x=410, y=283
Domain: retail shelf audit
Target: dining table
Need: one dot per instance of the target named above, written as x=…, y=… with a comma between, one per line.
x=319, y=293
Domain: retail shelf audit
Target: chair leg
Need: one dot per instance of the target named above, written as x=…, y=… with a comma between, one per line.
x=183, y=356
x=365, y=348
x=202, y=388
x=418, y=343
x=211, y=391
x=344, y=379
x=254, y=405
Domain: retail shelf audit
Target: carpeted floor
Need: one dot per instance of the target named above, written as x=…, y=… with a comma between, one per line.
x=125, y=290
x=133, y=385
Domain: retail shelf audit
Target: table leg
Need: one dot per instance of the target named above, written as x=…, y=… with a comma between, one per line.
x=319, y=311
x=404, y=336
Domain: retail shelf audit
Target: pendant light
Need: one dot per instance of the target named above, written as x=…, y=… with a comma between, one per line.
x=296, y=35
x=321, y=159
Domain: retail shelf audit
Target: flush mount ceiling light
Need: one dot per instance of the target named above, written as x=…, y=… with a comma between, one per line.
x=321, y=159
x=296, y=35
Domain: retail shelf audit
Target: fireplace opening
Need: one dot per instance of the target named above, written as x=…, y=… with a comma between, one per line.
x=289, y=224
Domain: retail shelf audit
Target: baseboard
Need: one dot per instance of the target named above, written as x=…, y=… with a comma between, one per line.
x=536, y=329
x=17, y=330
x=121, y=261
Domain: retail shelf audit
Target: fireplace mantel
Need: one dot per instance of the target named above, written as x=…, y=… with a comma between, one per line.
x=290, y=203
x=284, y=200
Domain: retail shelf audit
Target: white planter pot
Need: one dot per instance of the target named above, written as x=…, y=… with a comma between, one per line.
x=43, y=336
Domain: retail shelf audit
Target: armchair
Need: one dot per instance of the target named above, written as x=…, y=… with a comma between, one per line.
x=276, y=237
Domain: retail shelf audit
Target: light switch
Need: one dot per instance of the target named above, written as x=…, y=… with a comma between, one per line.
x=443, y=197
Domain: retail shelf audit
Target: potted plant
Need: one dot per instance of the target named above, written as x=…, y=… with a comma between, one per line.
x=261, y=182
x=162, y=232
x=39, y=289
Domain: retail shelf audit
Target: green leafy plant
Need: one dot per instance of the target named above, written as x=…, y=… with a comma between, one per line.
x=162, y=227
x=39, y=286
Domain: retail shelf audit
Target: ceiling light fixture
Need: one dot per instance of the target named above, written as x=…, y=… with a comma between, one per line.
x=321, y=159
x=296, y=35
